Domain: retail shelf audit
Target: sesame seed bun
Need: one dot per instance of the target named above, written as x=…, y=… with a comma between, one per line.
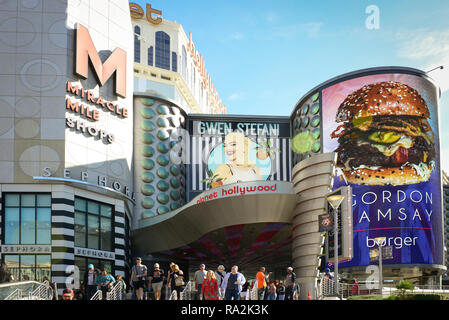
x=382, y=99
x=388, y=176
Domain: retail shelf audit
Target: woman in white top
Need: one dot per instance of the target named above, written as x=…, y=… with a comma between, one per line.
x=239, y=169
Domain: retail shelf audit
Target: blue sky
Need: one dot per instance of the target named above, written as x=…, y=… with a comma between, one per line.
x=263, y=56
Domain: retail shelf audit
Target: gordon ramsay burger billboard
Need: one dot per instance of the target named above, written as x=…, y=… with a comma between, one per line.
x=384, y=128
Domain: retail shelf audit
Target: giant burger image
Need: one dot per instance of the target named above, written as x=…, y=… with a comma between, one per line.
x=384, y=136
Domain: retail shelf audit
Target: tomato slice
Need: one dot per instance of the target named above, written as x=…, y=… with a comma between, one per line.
x=400, y=156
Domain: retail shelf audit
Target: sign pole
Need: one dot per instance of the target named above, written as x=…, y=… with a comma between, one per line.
x=336, y=249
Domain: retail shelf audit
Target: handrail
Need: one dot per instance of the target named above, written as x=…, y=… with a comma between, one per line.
x=15, y=295
x=186, y=294
x=98, y=295
x=115, y=293
x=42, y=292
x=173, y=295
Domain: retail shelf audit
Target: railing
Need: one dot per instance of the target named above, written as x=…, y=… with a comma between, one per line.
x=97, y=295
x=42, y=292
x=173, y=295
x=26, y=290
x=186, y=294
x=115, y=293
x=15, y=295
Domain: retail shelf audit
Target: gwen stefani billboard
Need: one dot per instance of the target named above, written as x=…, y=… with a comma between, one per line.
x=232, y=150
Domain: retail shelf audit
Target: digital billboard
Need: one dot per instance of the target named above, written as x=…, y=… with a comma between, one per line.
x=384, y=128
x=228, y=151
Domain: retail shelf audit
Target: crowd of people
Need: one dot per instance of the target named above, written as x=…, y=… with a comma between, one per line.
x=208, y=284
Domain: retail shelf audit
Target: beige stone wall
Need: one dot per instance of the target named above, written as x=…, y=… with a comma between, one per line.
x=312, y=180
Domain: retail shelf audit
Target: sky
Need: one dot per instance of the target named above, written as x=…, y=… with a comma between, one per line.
x=263, y=56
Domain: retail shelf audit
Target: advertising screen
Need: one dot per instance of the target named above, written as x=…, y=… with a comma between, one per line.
x=230, y=151
x=384, y=128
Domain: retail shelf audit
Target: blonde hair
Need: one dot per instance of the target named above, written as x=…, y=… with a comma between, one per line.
x=212, y=274
x=242, y=144
x=175, y=268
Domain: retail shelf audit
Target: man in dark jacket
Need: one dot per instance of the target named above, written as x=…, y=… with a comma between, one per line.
x=90, y=281
x=289, y=283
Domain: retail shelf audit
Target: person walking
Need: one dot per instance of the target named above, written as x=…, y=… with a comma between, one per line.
x=168, y=288
x=199, y=277
x=90, y=284
x=355, y=288
x=261, y=283
x=157, y=279
x=122, y=293
x=105, y=282
x=68, y=294
x=272, y=292
x=281, y=295
x=244, y=292
x=289, y=283
x=138, y=275
x=209, y=287
x=232, y=284
x=219, y=275
x=177, y=280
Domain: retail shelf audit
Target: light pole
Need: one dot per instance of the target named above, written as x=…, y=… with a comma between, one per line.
x=335, y=201
x=380, y=241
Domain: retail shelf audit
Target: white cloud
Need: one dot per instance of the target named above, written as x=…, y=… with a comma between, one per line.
x=235, y=96
x=430, y=49
x=236, y=36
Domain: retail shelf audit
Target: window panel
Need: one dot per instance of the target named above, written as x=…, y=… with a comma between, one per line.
x=162, y=50
x=28, y=226
x=44, y=200
x=93, y=207
x=43, y=267
x=12, y=261
x=93, y=232
x=12, y=200
x=106, y=211
x=28, y=200
x=150, y=56
x=80, y=229
x=27, y=267
x=12, y=226
x=43, y=221
x=80, y=204
x=106, y=234
x=174, y=61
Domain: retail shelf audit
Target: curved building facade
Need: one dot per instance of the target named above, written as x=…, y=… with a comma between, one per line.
x=116, y=146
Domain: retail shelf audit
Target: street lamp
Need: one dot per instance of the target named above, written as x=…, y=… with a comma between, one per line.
x=335, y=201
x=380, y=241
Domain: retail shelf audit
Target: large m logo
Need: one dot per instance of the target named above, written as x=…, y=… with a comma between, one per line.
x=116, y=62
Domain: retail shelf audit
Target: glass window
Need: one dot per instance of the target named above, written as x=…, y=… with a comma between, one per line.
x=80, y=229
x=28, y=200
x=106, y=234
x=162, y=50
x=12, y=200
x=93, y=232
x=174, y=61
x=136, y=44
x=93, y=207
x=12, y=224
x=43, y=200
x=29, y=267
x=150, y=56
x=43, y=226
x=80, y=204
x=28, y=225
x=93, y=225
x=106, y=211
x=27, y=218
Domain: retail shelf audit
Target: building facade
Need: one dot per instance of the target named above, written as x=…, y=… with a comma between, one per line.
x=65, y=173
x=115, y=144
x=166, y=63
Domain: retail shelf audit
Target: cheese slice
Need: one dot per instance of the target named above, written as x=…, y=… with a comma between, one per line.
x=389, y=149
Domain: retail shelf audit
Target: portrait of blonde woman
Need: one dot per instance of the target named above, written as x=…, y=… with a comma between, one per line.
x=239, y=167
